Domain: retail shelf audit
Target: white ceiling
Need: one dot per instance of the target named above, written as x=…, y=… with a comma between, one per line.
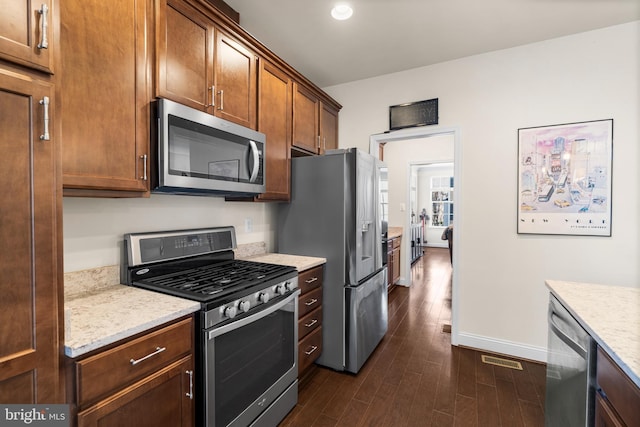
x=386, y=36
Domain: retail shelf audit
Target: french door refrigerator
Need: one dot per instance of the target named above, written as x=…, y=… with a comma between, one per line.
x=334, y=213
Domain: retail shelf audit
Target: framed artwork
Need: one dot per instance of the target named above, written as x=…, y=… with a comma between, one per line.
x=564, y=179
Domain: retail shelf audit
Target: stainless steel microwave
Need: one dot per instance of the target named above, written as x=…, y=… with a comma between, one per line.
x=200, y=154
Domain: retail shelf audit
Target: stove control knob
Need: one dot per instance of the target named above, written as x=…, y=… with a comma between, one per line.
x=263, y=297
x=244, y=306
x=281, y=289
x=289, y=286
x=230, y=312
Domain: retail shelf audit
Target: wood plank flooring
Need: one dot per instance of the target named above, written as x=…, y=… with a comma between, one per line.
x=416, y=378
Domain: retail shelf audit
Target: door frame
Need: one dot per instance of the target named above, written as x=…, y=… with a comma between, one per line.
x=424, y=132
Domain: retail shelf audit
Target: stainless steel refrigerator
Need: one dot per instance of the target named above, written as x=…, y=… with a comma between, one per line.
x=335, y=213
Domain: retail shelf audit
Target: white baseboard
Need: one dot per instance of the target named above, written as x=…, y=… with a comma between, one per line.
x=436, y=245
x=508, y=348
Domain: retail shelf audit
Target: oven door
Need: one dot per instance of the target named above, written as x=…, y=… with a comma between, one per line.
x=250, y=363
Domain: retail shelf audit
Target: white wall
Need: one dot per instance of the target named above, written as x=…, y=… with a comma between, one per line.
x=588, y=76
x=93, y=228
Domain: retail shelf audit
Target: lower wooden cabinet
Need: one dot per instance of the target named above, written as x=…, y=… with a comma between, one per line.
x=164, y=398
x=309, y=348
x=618, y=398
x=144, y=381
x=393, y=260
x=310, y=317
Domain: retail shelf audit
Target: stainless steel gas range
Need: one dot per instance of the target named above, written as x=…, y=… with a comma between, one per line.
x=246, y=354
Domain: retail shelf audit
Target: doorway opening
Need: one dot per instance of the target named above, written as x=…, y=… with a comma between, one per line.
x=419, y=146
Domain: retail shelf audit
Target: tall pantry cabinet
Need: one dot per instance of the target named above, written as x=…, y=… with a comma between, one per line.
x=30, y=213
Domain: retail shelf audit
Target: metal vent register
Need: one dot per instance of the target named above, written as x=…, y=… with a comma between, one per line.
x=505, y=363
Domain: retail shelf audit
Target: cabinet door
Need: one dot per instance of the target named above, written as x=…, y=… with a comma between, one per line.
x=328, y=129
x=185, y=44
x=105, y=95
x=29, y=331
x=605, y=415
x=390, y=264
x=164, y=398
x=274, y=120
x=25, y=32
x=396, y=265
x=235, y=81
x=305, y=119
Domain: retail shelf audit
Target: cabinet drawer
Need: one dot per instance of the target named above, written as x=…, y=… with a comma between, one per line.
x=396, y=242
x=309, y=323
x=117, y=367
x=309, y=349
x=310, y=279
x=309, y=301
x=621, y=393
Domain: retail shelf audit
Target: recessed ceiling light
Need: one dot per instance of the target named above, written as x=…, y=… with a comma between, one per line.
x=341, y=12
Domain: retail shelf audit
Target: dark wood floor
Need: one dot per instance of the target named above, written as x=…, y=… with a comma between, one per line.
x=416, y=378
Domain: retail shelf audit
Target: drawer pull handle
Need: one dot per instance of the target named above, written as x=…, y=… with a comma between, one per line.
x=142, y=359
x=45, y=104
x=311, y=302
x=310, y=324
x=313, y=348
x=144, y=167
x=190, y=393
x=313, y=279
x=221, y=93
x=44, y=42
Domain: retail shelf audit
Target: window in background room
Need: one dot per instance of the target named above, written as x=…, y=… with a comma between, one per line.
x=441, y=201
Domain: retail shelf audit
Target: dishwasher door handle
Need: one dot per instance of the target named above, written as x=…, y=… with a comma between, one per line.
x=565, y=338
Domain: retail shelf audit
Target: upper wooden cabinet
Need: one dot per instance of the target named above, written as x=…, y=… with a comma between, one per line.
x=26, y=33
x=30, y=333
x=315, y=124
x=235, y=81
x=201, y=66
x=105, y=97
x=274, y=120
x=306, y=119
x=328, y=128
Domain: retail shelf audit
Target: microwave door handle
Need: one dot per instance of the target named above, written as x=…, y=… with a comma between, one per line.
x=256, y=161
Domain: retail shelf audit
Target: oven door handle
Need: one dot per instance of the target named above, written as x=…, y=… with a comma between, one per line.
x=256, y=316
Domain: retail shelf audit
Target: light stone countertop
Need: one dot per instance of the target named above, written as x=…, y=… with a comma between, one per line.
x=610, y=314
x=393, y=232
x=300, y=262
x=99, y=311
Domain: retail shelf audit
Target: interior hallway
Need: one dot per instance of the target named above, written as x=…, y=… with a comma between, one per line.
x=416, y=378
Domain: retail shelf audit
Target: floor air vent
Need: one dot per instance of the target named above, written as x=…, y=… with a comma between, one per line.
x=505, y=363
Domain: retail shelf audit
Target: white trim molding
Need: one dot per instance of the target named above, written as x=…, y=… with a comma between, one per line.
x=505, y=347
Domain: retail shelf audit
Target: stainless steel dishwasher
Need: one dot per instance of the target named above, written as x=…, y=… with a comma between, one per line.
x=570, y=392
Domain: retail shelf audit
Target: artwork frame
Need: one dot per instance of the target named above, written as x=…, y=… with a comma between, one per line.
x=564, y=179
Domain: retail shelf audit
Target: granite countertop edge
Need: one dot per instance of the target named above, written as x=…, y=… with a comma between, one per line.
x=300, y=262
x=613, y=334
x=117, y=312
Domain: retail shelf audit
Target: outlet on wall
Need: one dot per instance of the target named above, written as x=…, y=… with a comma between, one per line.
x=248, y=225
